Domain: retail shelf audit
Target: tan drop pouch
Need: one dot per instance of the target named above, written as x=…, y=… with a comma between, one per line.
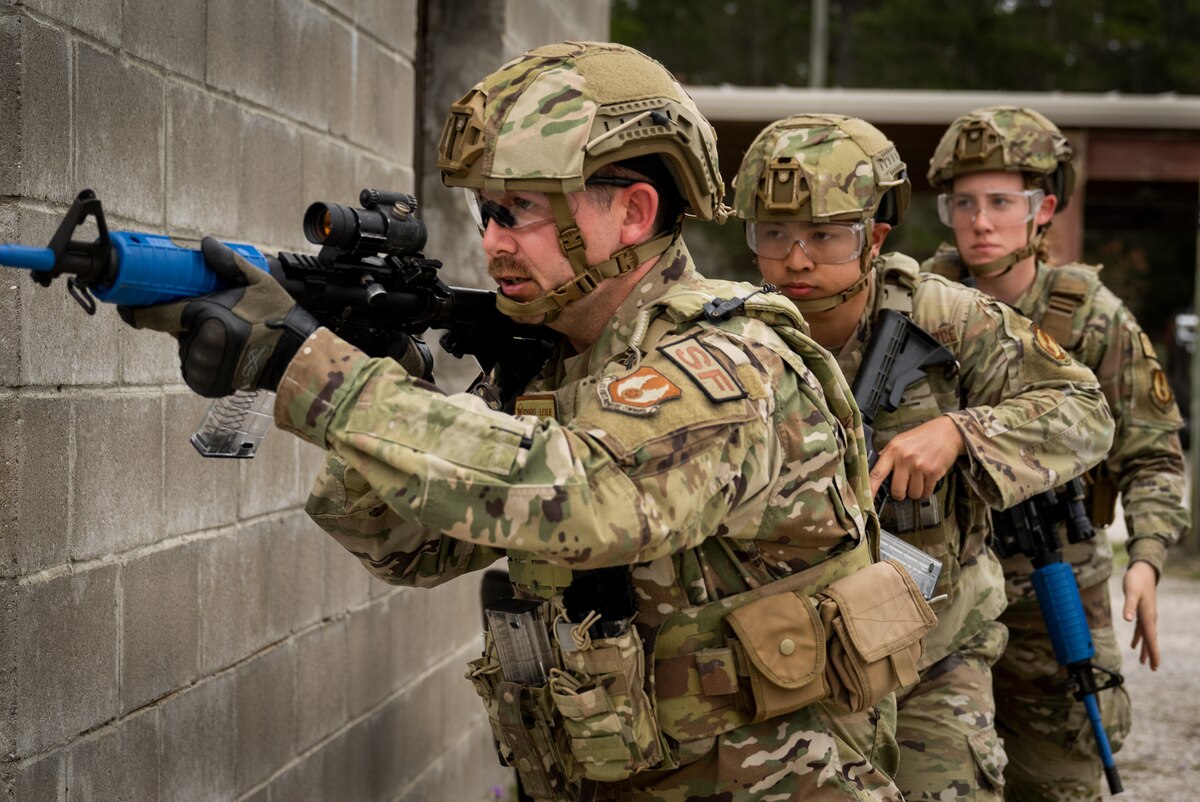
x=874, y=619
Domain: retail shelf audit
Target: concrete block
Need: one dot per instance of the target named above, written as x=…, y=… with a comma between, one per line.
x=270, y=481
x=115, y=509
x=119, y=145
x=160, y=613
x=119, y=762
x=11, y=282
x=382, y=174
x=347, y=581
x=266, y=715
x=67, y=683
x=321, y=672
x=270, y=208
x=296, y=575
x=350, y=762
x=233, y=603
x=147, y=357
x=384, y=112
x=468, y=770
x=35, y=454
x=329, y=173
x=428, y=625
x=199, y=750
x=372, y=676
x=198, y=492
x=302, y=48
x=45, y=114
x=101, y=19
x=393, y=21
x=44, y=780
x=169, y=34
x=10, y=102
x=60, y=344
x=343, y=61
x=302, y=782
x=240, y=56
x=203, y=163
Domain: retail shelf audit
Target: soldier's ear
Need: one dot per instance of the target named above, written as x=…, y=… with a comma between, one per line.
x=1046, y=210
x=638, y=206
x=879, y=232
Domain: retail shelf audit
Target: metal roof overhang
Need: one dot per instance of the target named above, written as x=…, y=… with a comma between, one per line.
x=921, y=107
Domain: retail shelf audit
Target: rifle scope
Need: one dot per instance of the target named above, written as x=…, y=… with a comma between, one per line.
x=385, y=224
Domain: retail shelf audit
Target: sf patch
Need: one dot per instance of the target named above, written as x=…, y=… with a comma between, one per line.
x=639, y=393
x=1049, y=346
x=1160, y=390
x=694, y=359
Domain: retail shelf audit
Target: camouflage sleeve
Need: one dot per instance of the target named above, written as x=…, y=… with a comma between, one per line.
x=1146, y=460
x=1033, y=417
x=614, y=486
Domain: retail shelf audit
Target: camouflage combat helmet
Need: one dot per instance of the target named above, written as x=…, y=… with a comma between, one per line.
x=1010, y=139
x=549, y=119
x=823, y=168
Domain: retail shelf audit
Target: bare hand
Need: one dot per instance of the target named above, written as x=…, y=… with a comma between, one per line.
x=918, y=459
x=1141, y=598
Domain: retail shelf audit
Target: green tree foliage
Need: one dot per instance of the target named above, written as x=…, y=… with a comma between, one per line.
x=1132, y=46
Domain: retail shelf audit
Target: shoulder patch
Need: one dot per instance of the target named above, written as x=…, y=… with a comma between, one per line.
x=1049, y=346
x=1148, y=347
x=642, y=392
x=946, y=334
x=694, y=359
x=1160, y=390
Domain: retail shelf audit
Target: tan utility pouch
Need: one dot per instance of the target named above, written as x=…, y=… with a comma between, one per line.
x=875, y=619
x=780, y=644
x=600, y=693
x=1102, y=496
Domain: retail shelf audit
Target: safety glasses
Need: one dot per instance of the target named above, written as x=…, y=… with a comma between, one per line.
x=961, y=209
x=824, y=243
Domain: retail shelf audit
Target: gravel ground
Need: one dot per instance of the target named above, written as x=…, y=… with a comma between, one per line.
x=1161, y=757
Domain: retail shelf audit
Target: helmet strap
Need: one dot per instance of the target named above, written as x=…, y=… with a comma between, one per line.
x=587, y=277
x=998, y=267
x=865, y=260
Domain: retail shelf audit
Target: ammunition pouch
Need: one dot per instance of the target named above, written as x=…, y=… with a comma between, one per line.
x=789, y=644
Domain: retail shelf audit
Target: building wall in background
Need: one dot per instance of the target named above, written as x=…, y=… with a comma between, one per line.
x=173, y=627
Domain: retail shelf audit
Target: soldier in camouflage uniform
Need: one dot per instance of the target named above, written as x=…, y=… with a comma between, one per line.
x=818, y=194
x=1004, y=173
x=686, y=443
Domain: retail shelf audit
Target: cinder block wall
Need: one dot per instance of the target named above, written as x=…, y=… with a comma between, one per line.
x=173, y=627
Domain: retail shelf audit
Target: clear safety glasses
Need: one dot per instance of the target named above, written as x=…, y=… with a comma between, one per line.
x=960, y=209
x=824, y=243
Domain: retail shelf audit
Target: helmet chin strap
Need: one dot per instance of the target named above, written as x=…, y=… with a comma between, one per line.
x=998, y=267
x=587, y=277
x=865, y=259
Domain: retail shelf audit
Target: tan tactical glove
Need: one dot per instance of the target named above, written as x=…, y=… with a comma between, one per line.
x=241, y=338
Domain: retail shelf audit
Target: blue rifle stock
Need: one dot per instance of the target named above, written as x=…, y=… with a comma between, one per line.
x=1029, y=528
x=369, y=284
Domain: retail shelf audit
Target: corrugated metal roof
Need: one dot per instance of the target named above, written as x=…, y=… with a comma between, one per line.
x=921, y=107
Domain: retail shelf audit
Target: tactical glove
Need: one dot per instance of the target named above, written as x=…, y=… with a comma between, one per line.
x=241, y=338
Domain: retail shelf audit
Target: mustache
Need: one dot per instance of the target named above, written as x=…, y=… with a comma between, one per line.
x=507, y=266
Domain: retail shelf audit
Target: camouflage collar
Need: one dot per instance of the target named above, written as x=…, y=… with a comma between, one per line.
x=1032, y=299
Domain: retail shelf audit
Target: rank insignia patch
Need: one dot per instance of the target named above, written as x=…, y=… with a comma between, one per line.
x=701, y=367
x=1049, y=346
x=1160, y=390
x=639, y=393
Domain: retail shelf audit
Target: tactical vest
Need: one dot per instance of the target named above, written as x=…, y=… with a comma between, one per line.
x=656, y=697
x=935, y=524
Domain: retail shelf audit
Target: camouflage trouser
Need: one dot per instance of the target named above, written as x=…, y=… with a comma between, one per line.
x=1051, y=749
x=811, y=754
x=949, y=750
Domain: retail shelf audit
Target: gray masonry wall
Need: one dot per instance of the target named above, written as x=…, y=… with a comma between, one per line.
x=173, y=627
